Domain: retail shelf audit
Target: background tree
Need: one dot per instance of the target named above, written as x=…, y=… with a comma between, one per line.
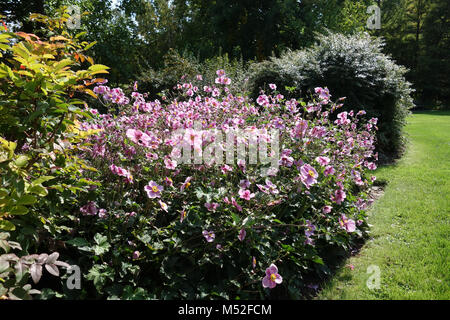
x=17, y=12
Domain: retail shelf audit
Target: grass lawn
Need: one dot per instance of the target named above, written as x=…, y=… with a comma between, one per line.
x=410, y=223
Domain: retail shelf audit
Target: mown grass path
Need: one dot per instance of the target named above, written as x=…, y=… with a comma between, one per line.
x=410, y=223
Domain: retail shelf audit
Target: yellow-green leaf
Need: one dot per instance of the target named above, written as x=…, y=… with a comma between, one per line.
x=21, y=161
x=39, y=190
x=6, y=225
x=26, y=199
x=18, y=210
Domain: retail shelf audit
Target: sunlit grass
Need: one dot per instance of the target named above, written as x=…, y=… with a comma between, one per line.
x=411, y=222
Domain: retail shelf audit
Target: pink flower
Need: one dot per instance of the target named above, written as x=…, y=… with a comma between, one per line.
x=241, y=164
x=121, y=172
x=347, y=224
x=323, y=161
x=235, y=204
x=136, y=255
x=308, y=175
x=339, y=196
x=186, y=184
x=169, y=163
x=163, y=206
x=153, y=190
x=329, y=170
x=242, y=234
x=272, y=277
x=286, y=160
x=310, y=228
x=327, y=209
x=246, y=194
x=223, y=80
x=371, y=166
x=151, y=156
x=182, y=215
x=300, y=128
x=262, y=100
x=209, y=235
x=89, y=209
x=102, y=213
x=271, y=187
x=244, y=184
x=324, y=94
x=264, y=189
x=273, y=86
x=211, y=206
x=168, y=181
x=138, y=137
x=226, y=168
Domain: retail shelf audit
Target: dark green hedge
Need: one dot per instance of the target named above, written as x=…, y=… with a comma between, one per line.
x=352, y=66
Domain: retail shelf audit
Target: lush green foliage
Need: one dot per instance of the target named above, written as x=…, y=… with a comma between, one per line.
x=37, y=114
x=417, y=36
x=350, y=66
x=135, y=35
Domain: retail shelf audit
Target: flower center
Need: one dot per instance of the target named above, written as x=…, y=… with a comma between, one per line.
x=188, y=184
x=311, y=173
x=273, y=277
x=155, y=189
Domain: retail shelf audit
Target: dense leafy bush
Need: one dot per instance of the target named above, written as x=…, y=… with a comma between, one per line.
x=39, y=81
x=158, y=228
x=350, y=66
x=187, y=67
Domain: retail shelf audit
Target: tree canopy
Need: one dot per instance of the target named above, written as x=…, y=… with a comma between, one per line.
x=134, y=35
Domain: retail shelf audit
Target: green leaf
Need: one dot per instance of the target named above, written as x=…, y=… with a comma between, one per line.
x=21, y=161
x=235, y=217
x=99, y=274
x=39, y=190
x=26, y=199
x=318, y=260
x=18, y=210
x=6, y=225
x=90, y=45
x=42, y=180
x=20, y=294
x=63, y=63
x=102, y=244
x=98, y=67
x=78, y=242
x=3, y=192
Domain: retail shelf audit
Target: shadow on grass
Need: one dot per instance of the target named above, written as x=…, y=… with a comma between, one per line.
x=433, y=112
x=336, y=258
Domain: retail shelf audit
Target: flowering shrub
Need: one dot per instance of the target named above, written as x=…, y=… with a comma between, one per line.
x=157, y=226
